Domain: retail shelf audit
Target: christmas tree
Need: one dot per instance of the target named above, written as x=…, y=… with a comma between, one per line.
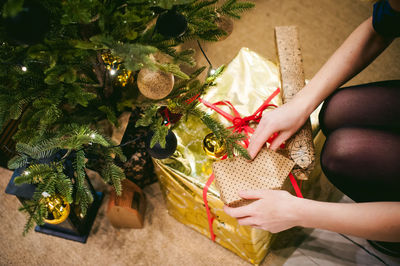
x=67, y=65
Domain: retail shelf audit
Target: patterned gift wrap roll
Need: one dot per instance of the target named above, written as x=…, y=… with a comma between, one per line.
x=300, y=146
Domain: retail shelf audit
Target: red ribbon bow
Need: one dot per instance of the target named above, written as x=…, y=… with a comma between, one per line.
x=239, y=123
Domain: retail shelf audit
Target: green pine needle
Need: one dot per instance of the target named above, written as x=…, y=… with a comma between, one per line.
x=60, y=88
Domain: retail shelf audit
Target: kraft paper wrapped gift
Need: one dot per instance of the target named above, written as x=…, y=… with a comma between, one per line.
x=268, y=170
x=246, y=82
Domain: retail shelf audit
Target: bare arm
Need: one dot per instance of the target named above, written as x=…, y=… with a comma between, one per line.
x=372, y=220
x=362, y=46
x=357, y=52
x=278, y=210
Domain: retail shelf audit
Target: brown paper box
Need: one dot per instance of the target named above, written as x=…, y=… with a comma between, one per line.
x=127, y=210
x=267, y=171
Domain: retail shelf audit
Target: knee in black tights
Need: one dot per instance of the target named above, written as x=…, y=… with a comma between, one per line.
x=373, y=105
x=363, y=163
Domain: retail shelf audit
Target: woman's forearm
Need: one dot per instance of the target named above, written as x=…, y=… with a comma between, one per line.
x=358, y=51
x=372, y=220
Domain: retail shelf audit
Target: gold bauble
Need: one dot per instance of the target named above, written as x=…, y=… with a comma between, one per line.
x=124, y=78
x=155, y=84
x=58, y=207
x=213, y=146
x=225, y=24
x=110, y=61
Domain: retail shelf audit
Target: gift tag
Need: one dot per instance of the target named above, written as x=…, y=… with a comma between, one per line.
x=267, y=171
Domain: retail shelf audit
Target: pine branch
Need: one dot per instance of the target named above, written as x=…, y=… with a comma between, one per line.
x=36, y=213
x=64, y=187
x=36, y=173
x=117, y=175
x=83, y=196
x=135, y=56
x=160, y=133
x=198, y=5
x=172, y=68
x=180, y=87
x=223, y=134
x=148, y=116
x=17, y=161
x=110, y=114
x=118, y=153
x=233, y=9
x=166, y=4
x=185, y=56
x=74, y=137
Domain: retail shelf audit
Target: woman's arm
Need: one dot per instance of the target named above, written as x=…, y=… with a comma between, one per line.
x=362, y=46
x=277, y=210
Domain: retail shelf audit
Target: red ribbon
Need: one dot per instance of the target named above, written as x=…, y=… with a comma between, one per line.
x=240, y=124
x=210, y=218
x=295, y=186
x=165, y=112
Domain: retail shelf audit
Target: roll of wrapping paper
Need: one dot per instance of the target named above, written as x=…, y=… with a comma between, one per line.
x=300, y=146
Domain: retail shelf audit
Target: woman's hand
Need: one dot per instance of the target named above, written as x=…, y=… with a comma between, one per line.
x=277, y=210
x=362, y=46
x=274, y=210
x=284, y=120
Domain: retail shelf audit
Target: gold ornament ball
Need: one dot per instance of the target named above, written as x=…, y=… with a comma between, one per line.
x=213, y=146
x=110, y=61
x=155, y=84
x=124, y=78
x=225, y=24
x=58, y=207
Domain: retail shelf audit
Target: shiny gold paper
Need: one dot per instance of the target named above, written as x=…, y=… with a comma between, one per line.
x=246, y=82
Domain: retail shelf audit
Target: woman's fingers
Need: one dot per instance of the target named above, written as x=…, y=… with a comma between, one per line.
x=252, y=194
x=238, y=212
x=281, y=138
x=247, y=221
x=258, y=139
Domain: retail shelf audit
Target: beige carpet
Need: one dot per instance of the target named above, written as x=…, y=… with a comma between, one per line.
x=323, y=25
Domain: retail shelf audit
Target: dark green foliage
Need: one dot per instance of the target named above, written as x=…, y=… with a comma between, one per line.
x=60, y=87
x=69, y=143
x=233, y=8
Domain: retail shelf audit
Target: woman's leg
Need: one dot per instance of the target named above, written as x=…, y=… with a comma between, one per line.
x=361, y=155
x=374, y=105
x=363, y=163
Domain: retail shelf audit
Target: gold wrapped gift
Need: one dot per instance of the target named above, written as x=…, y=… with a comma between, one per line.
x=246, y=82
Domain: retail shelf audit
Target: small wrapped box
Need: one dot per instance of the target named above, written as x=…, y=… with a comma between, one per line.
x=127, y=210
x=246, y=82
x=268, y=170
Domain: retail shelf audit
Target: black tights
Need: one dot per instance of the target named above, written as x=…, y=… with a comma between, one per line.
x=361, y=155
